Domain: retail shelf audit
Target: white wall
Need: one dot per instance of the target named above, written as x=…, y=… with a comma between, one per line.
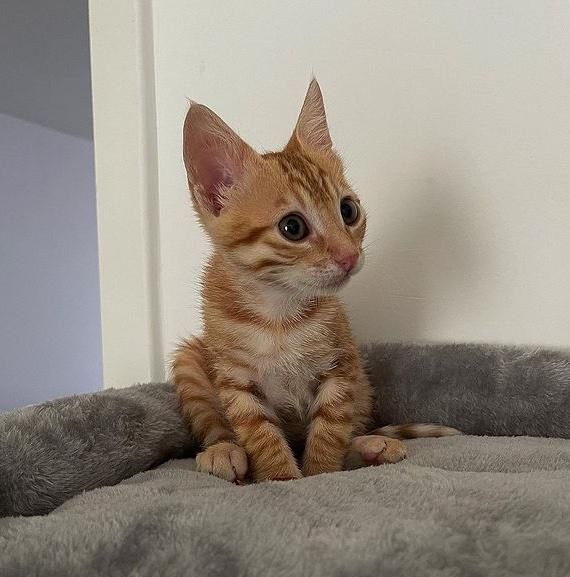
x=50, y=332
x=127, y=191
x=454, y=120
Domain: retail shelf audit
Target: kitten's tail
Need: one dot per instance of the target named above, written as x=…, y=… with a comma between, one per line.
x=415, y=431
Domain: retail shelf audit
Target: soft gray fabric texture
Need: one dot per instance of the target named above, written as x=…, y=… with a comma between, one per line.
x=479, y=389
x=53, y=451
x=457, y=507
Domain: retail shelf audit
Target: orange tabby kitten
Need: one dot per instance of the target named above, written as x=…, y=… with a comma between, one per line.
x=276, y=373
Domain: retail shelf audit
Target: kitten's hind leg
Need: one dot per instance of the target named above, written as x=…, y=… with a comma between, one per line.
x=368, y=450
x=200, y=407
x=383, y=445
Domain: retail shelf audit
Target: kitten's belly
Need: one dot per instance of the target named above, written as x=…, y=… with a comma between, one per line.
x=290, y=398
x=289, y=382
x=289, y=393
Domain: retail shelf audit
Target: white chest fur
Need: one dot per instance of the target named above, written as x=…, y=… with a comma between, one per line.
x=287, y=364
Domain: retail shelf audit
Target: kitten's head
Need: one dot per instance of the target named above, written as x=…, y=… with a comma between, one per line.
x=288, y=219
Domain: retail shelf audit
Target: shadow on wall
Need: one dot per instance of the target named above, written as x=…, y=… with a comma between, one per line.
x=418, y=264
x=44, y=64
x=50, y=327
x=50, y=333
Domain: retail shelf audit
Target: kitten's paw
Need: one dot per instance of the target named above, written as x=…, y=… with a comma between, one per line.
x=377, y=450
x=225, y=460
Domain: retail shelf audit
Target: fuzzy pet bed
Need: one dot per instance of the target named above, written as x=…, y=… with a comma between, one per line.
x=488, y=505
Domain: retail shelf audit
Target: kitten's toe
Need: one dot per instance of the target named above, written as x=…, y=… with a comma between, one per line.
x=225, y=460
x=238, y=460
x=378, y=450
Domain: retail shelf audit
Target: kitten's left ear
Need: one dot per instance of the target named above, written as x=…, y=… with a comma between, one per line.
x=312, y=129
x=216, y=159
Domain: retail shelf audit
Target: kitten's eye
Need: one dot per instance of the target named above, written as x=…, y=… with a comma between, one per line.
x=293, y=227
x=349, y=211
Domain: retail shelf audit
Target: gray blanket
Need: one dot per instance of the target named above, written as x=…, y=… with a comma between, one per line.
x=51, y=452
x=462, y=506
x=473, y=506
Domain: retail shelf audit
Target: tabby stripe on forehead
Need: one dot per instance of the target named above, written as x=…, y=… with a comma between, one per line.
x=253, y=235
x=316, y=175
x=304, y=168
x=325, y=184
x=296, y=178
x=307, y=174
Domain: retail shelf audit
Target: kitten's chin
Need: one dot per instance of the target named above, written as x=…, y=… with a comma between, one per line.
x=302, y=285
x=334, y=286
x=327, y=286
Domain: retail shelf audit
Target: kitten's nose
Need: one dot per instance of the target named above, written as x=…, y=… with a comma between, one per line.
x=347, y=261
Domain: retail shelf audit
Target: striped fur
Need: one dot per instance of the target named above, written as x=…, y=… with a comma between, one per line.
x=276, y=372
x=415, y=431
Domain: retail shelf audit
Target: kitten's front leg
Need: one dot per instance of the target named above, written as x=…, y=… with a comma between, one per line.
x=201, y=408
x=331, y=427
x=258, y=432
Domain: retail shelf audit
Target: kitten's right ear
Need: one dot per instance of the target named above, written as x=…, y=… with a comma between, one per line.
x=215, y=158
x=312, y=128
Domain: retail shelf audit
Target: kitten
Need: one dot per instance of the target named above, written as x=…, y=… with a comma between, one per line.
x=277, y=374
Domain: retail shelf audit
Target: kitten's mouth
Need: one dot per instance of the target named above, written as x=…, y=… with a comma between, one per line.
x=340, y=277
x=337, y=282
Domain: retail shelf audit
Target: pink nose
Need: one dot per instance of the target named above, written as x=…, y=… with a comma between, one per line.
x=347, y=262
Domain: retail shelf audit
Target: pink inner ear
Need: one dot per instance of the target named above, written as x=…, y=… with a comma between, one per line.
x=215, y=158
x=215, y=177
